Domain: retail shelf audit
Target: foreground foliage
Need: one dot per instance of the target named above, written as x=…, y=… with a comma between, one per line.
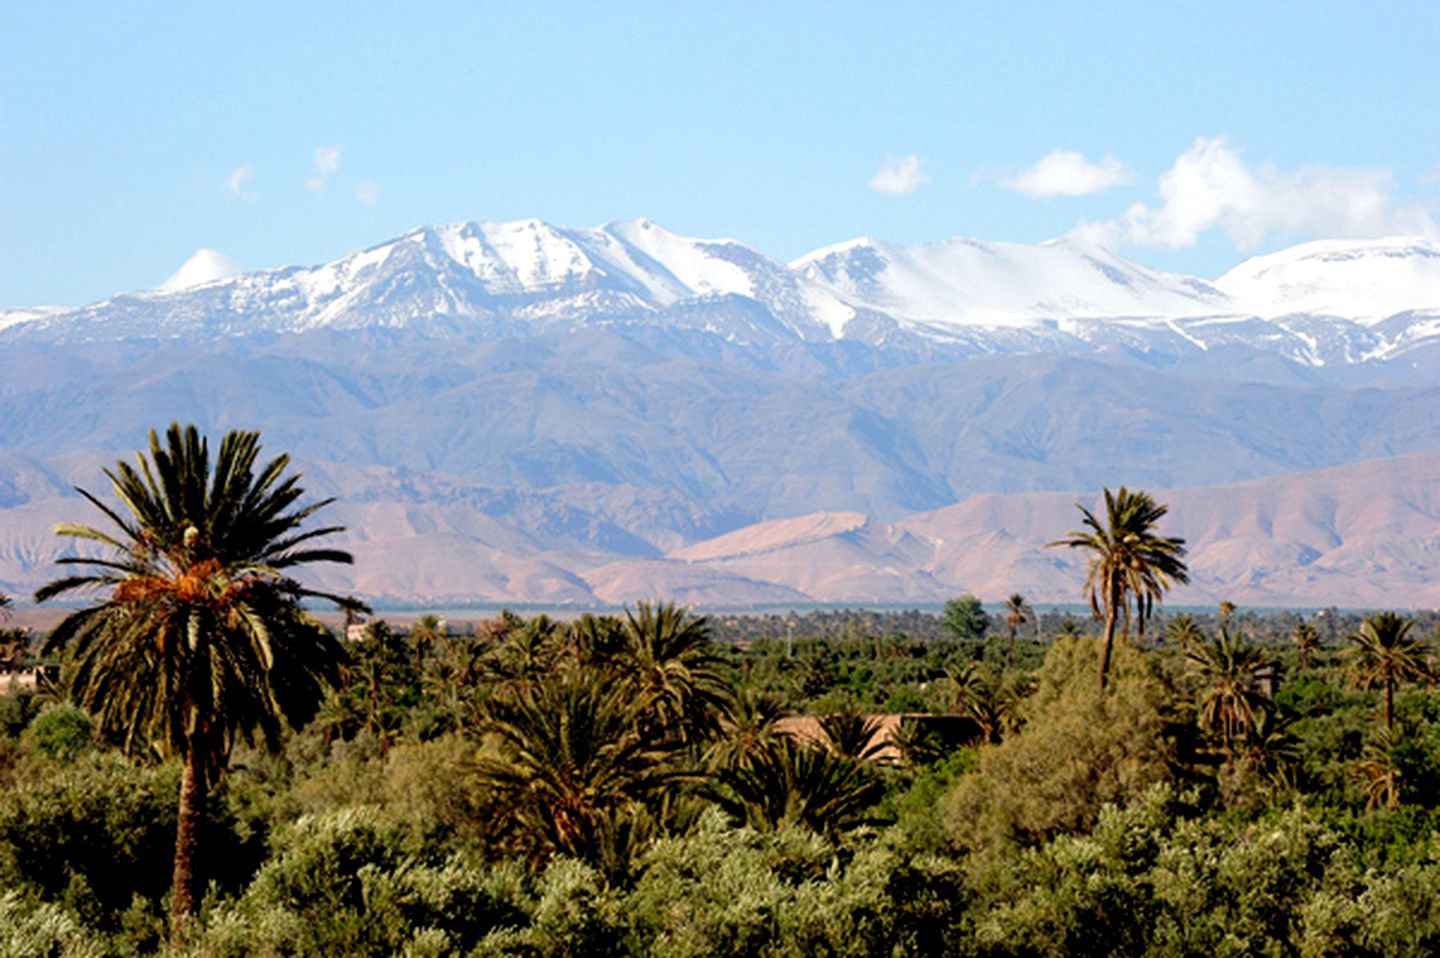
x=623, y=785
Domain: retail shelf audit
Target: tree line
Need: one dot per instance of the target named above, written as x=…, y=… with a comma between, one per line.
x=217, y=774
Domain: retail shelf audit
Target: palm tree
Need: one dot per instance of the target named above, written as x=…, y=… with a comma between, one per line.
x=1307, y=639
x=424, y=633
x=1379, y=773
x=854, y=735
x=665, y=654
x=1183, y=631
x=1235, y=682
x=1017, y=613
x=795, y=783
x=1383, y=653
x=1127, y=560
x=198, y=637
x=572, y=766
x=990, y=700
x=751, y=722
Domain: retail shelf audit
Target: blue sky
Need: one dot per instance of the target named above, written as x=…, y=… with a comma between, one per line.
x=1188, y=136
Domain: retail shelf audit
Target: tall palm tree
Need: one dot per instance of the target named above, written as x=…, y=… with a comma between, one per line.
x=1127, y=561
x=1235, y=685
x=1384, y=653
x=1017, y=613
x=1307, y=639
x=198, y=636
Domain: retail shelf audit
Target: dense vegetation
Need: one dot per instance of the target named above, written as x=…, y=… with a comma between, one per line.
x=624, y=785
x=1236, y=784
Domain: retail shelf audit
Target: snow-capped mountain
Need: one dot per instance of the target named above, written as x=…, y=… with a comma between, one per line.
x=1319, y=304
x=1364, y=280
x=480, y=277
x=522, y=412
x=966, y=283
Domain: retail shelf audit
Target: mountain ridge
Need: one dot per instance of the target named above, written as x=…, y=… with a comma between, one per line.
x=526, y=277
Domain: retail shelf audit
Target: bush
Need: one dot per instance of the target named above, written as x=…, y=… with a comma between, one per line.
x=62, y=731
x=93, y=835
x=359, y=882
x=1080, y=748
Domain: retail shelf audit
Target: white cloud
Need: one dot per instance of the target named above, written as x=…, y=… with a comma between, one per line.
x=1068, y=173
x=316, y=185
x=368, y=193
x=899, y=175
x=327, y=159
x=205, y=266
x=1210, y=187
x=235, y=183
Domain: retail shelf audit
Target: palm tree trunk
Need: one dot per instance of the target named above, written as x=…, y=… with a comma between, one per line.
x=1110, y=616
x=1390, y=705
x=185, y=883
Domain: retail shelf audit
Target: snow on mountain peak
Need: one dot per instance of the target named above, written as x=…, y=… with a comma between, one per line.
x=966, y=282
x=1317, y=303
x=1366, y=280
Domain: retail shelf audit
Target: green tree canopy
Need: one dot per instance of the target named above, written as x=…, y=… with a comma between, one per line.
x=966, y=618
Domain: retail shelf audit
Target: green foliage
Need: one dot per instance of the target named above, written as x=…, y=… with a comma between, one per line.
x=17, y=709
x=62, y=731
x=1071, y=835
x=359, y=882
x=1082, y=747
x=722, y=891
x=966, y=618
x=92, y=835
x=44, y=930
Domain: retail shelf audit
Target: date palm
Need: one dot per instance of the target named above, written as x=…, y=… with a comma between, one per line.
x=1017, y=613
x=571, y=764
x=1128, y=561
x=1235, y=680
x=1183, y=631
x=1307, y=639
x=666, y=655
x=1384, y=653
x=788, y=782
x=198, y=636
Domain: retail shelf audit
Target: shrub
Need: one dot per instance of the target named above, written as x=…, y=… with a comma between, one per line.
x=93, y=834
x=62, y=731
x=1080, y=748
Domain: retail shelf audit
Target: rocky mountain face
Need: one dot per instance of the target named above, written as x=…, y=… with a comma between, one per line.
x=524, y=413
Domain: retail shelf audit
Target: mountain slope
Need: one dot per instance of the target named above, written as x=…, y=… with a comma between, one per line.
x=1315, y=305
x=1364, y=280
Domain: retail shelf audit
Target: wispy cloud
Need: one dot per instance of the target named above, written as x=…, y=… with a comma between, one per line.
x=327, y=159
x=1068, y=173
x=205, y=266
x=367, y=192
x=899, y=175
x=1210, y=187
x=238, y=180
